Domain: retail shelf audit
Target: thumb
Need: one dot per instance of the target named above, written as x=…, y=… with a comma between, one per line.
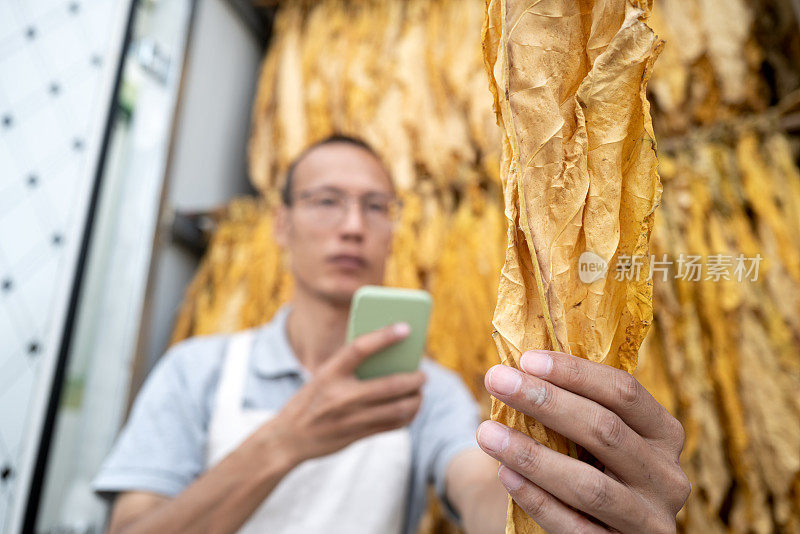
x=353, y=354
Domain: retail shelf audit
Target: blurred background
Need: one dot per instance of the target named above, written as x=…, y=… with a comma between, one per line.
x=142, y=144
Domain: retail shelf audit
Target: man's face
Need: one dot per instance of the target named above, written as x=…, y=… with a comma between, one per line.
x=335, y=231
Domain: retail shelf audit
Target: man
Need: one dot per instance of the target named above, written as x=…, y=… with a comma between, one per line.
x=268, y=430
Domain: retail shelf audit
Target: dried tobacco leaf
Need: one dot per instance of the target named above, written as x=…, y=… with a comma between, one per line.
x=579, y=175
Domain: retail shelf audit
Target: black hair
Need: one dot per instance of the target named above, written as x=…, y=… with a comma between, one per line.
x=286, y=190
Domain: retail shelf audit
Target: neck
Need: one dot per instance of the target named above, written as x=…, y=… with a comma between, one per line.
x=316, y=328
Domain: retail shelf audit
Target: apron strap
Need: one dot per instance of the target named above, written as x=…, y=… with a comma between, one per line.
x=230, y=392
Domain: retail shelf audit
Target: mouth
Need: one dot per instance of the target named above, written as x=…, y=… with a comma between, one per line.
x=347, y=261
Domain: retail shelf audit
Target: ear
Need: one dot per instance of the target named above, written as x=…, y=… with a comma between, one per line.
x=281, y=228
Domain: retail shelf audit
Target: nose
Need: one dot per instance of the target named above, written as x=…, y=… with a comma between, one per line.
x=353, y=223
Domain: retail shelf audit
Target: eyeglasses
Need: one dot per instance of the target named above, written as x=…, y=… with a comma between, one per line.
x=327, y=206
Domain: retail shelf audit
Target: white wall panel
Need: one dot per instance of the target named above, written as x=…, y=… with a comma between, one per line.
x=58, y=60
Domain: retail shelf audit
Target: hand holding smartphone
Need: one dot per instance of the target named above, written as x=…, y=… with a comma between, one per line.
x=374, y=307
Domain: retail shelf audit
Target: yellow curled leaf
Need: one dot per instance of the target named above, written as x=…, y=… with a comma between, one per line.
x=579, y=176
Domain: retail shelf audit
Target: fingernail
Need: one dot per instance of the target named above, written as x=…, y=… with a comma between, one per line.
x=536, y=363
x=493, y=436
x=402, y=329
x=504, y=380
x=510, y=478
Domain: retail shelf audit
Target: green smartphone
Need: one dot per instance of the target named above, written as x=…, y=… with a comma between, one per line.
x=374, y=307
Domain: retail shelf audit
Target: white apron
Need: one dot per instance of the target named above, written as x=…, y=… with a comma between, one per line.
x=359, y=489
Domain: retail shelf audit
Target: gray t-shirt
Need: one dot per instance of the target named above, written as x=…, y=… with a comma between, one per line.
x=161, y=449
